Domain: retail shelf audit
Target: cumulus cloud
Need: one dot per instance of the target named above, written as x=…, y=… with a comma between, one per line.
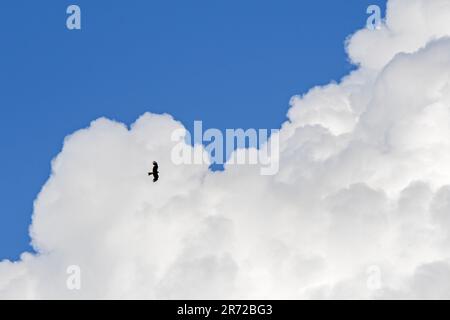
x=359, y=209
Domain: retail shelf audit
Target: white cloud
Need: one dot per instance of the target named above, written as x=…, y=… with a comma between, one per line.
x=364, y=181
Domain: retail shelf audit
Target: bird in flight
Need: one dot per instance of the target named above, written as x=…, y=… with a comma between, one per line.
x=154, y=172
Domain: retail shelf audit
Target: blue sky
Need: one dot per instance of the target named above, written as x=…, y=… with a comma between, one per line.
x=229, y=63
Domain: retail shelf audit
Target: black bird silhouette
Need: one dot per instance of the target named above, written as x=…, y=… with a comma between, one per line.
x=155, y=172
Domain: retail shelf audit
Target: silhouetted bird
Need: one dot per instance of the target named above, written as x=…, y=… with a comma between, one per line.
x=155, y=172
